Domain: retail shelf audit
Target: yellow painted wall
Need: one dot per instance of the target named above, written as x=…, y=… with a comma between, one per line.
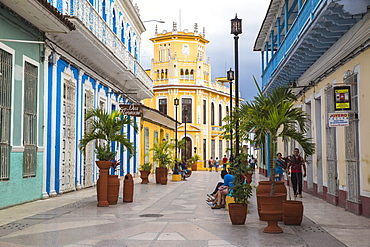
x=162, y=132
x=361, y=64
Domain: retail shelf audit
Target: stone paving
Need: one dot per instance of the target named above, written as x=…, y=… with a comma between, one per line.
x=171, y=215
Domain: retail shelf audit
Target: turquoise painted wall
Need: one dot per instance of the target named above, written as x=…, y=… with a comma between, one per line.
x=17, y=189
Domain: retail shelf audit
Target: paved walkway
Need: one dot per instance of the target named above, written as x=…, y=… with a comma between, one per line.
x=171, y=215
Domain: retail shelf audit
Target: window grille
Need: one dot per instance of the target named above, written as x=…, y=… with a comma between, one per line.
x=5, y=108
x=30, y=120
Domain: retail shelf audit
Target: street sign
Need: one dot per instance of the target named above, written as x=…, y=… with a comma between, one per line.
x=338, y=119
x=131, y=110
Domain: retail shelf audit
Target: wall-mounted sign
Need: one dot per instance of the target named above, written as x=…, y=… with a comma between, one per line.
x=338, y=119
x=131, y=110
x=342, y=98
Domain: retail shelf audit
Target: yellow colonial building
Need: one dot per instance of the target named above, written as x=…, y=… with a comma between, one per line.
x=181, y=71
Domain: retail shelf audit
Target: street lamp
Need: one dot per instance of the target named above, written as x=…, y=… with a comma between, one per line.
x=186, y=116
x=230, y=78
x=236, y=29
x=176, y=103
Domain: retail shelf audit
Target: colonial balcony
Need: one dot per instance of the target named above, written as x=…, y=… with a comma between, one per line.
x=92, y=41
x=316, y=27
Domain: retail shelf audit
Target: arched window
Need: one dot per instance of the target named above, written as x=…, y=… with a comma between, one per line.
x=158, y=75
x=114, y=22
x=212, y=113
x=192, y=74
x=220, y=115
x=186, y=74
x=165, y=73
x=162, y=74
x=181, y=74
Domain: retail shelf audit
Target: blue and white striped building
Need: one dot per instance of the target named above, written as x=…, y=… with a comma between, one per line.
x=91, y=59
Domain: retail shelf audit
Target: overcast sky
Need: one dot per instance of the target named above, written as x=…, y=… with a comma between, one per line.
x=214, y=16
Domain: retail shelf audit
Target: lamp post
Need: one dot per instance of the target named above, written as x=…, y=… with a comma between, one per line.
x=176, y=103
x=186, y=116
x=230, y=78
x=236, y=29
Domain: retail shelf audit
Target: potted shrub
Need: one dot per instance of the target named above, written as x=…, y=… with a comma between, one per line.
x=162, y=155
x=241, y=192
x=105, y=128
x=145, y=171
x=193, y=161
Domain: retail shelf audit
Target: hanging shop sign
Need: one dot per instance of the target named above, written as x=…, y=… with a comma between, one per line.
x=342, y=97
x=131, y=110
x=338, y=119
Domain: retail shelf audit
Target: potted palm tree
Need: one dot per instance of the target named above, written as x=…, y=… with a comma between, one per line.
x=275, y=116
x=241, y=192
x=106, y=128
x=163, y=156
x=145, y=170
x=193, y=161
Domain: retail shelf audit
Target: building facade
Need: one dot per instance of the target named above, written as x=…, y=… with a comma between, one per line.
x=319, y=48
x=180, y=70
x=21, y=109
x=89, y=57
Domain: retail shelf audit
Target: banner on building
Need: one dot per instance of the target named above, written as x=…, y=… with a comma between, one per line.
x=342, y=97
x=131, y=110
x=338, y=119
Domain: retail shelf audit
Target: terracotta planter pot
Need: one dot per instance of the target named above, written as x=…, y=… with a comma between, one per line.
x=102, y=186
x=293, y=212
x=194, y=167
x=164, y=180
x=160, y=172
x=272, y=211
x=237, y=213
x=113, y=189
x=144, y=176
x=264, y=188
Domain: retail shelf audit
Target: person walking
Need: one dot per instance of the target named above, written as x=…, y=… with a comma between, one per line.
x=217, y=164
x=210, y=164
x=252, y=162
x=295, y=164
x=280, y=167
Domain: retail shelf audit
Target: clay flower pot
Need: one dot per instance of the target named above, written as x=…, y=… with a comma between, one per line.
x=144, y=175
x=237, y=213
x=293, y=212
x=272, y=211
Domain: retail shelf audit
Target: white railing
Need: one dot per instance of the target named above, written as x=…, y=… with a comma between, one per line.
x=83, y=10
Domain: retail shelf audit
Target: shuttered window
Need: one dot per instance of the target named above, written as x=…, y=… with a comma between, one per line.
x=6, y=69
x=30, y=120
